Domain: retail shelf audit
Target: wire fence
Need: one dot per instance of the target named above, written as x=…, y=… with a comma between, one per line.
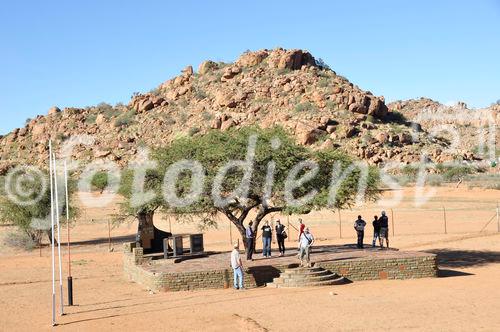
x=403, y=221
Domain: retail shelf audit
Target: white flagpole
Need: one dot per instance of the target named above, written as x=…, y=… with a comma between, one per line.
x=52, y=237
x=58, y=235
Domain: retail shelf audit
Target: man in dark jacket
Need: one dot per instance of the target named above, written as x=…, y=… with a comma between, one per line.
x=280, y=236
x=250, y=238
x=384, y=230
x=376, y=231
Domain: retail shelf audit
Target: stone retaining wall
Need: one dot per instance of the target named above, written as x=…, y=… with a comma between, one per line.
x=353, y=269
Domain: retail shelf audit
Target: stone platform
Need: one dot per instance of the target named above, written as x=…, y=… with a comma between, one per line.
x=213, y=270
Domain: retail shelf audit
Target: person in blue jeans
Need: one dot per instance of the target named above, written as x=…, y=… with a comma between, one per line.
x=267, y=235
x=237, y=266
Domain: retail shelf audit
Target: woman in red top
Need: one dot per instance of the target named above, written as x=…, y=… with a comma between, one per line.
x=301, y=228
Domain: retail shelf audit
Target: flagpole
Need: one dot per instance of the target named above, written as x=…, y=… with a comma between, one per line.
x=58, y=235
x=52, y=236
x=70, y=278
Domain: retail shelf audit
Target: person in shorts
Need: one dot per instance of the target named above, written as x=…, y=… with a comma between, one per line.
x=305, y=243
x=384, y=230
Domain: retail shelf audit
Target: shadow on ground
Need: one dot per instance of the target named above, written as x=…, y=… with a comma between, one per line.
x=465, y=258
x=102, y=240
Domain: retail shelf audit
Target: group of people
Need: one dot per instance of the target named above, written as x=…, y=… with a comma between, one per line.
x=306, y=240
x=267, y=235
x=380, y=230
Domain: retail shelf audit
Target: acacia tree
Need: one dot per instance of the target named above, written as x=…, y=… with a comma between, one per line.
x=28, y=206
x=275, y=153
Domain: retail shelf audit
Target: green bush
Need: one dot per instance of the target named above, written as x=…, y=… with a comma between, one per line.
x=304, y=107
x=100, y=180
x=30, y=211
x=90, y=119
x=125, y=119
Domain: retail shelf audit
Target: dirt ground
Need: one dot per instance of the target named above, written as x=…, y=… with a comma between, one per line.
x=465, y=297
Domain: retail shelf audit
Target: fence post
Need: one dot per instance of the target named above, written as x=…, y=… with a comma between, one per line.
x=288, y=227
x=231, y=231
x=392, y=221
x=498, y=218
x=340, y=223
x=109, y=236
x=444, y=216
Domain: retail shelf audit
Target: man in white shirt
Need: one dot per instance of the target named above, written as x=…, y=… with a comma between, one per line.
x=237, y=266
x=305, y=243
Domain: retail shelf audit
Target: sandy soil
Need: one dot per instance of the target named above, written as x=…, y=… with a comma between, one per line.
x=466, y=297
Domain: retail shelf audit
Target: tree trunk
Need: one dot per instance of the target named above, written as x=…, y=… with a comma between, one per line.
x=239, y=221
x=145, y=228
x=243, y=232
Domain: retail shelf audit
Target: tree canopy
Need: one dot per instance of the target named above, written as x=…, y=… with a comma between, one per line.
x=25, y=202
x=249, y=169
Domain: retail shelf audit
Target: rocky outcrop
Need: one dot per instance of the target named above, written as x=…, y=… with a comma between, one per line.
x=264, y=88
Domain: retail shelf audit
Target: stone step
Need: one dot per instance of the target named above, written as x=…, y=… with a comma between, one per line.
x=311, y=279
x=305, y=273
x=336, y=281
x=302, y=270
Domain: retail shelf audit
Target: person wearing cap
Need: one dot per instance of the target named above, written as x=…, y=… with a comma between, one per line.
x=237, y=266
x=359, y=226
x=384, y=229
x=305, y=243
x=280, y=236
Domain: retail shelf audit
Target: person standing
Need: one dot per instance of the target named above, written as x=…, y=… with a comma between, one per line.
x=305, y=243
x=376, y=231
x=280, y=237
x=250, y=238
x=359, y=226
x=384, y=230
x=301, y=227
x=237, y=266
x=267, y=235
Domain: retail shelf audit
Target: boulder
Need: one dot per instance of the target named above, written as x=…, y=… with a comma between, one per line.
x=229, y=123
x=216, y=123
x=54, y=110
x=311, y=136
x=206, y=67
x=295, y=59
x=381, y=138
x=145, y=105
x=405, y=138
x=358, y=108
x=188, y=71
x=249, y=59
x=100, y=119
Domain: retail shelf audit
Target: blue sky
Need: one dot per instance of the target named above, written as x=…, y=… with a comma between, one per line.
x=68, y=54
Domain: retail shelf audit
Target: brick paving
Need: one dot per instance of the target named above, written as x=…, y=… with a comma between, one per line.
x=320, y=254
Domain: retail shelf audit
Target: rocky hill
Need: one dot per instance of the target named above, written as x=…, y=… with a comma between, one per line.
x=266, y=88
x=455, y=123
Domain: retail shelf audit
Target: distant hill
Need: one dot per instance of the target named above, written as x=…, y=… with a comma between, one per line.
x=282, y=87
